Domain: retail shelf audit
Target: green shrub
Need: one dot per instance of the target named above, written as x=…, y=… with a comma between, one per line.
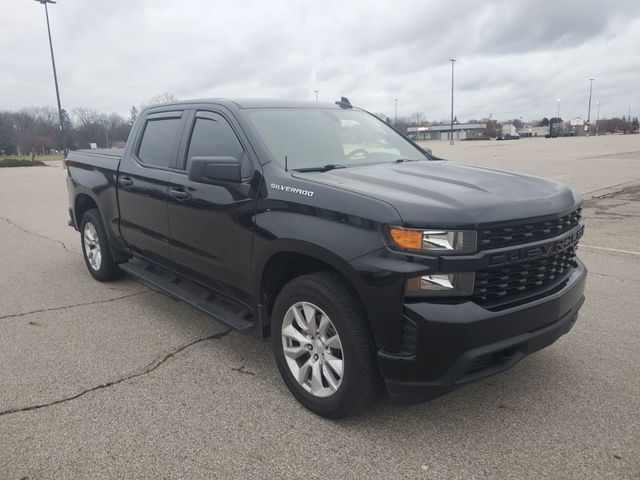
x=12, y=162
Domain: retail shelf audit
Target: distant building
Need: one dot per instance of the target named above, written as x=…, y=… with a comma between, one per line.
x=577, y=126
x=529, y=131
x=461, y=131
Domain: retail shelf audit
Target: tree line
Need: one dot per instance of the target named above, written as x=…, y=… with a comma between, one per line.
x=36, y=131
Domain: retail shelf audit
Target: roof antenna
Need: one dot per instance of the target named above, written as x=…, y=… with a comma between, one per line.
x=344, y=103
x=286, y=166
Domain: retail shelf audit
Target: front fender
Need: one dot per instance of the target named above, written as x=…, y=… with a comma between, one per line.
x=335, y=240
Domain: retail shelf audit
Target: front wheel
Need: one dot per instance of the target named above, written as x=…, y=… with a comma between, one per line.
x=322, y=345
x=95, y=248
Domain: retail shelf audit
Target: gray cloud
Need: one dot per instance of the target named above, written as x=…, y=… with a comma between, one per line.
x=514, y=58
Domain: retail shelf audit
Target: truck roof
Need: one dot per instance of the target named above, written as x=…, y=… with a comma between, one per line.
x=241, y=103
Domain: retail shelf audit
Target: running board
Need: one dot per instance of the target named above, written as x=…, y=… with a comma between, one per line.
x=217, y=306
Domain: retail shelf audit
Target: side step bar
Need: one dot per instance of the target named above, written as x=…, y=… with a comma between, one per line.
x=218, y=306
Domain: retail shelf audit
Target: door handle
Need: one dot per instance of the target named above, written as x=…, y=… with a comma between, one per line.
x=179, y=194
x=125, y=181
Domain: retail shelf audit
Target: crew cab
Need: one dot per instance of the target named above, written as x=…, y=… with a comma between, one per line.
x=369, y=262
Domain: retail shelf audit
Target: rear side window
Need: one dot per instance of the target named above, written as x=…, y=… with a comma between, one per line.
x=159, y=144
x=212, y=136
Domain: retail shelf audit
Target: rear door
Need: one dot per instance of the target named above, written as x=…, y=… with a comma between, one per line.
x=143, y=185
x=212, y=225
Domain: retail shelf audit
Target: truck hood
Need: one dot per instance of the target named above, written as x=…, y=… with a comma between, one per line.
x=442, y=193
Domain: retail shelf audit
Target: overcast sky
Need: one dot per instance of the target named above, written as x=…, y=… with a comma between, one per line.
x=514, y=58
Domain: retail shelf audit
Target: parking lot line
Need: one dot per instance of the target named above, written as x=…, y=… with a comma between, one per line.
x=616, y=250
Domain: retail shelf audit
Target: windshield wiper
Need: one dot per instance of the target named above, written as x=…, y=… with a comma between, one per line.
x=325, y=168
x=402, y=160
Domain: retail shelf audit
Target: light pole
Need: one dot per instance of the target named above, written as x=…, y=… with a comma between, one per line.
x=396, y=100
x=598, y=118
x=55, y=75
x=589, y=109
x=453, y=61
x=558, y=116
x=316, y=92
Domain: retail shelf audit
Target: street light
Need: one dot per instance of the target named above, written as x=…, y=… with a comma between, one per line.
x=598, y=119
x=452, y=60
x=55, y=75
x=316, y=92
x=396, y=100
x=589, y=110
x=558, y=100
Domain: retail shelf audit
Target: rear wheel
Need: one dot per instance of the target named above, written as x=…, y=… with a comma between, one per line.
x=322, y=345
x=95, y=248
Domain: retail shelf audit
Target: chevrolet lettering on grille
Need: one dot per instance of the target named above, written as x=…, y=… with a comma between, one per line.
x=539, y=251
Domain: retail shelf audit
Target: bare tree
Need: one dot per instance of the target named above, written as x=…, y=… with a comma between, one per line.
x=34, y=130
x=86, y=116
x=491, y=129
x=165, y=97
x=133, y=115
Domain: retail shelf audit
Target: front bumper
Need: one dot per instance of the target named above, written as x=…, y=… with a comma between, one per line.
x=459, y=343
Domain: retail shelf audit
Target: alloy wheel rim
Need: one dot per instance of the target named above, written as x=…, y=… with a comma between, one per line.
x=92, y=246
x=312, y=349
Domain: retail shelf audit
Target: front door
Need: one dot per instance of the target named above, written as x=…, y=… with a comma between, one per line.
x=143, y=185
x=211, y=226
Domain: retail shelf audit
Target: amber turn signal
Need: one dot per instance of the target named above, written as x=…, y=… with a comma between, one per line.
x=406, y=239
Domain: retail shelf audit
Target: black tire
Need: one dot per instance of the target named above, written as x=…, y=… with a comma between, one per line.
x=360, y=383
x=107, y=270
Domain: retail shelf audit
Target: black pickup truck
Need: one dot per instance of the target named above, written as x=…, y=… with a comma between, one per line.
x=369, y=262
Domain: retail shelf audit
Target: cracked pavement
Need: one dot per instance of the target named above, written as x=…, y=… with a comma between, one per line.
x=117, y=380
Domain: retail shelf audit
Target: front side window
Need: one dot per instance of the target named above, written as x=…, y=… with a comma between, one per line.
x=159, y=143
x=212, y=136
x=313, y=137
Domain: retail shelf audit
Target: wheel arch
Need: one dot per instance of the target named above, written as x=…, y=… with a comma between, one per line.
x=82, y=203
x=291, y=259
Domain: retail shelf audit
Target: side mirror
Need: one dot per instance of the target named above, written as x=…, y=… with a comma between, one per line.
x=215, y=170
x=429, y=152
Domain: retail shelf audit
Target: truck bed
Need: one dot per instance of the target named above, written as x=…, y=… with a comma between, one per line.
x=102, y=159
x=109, y=152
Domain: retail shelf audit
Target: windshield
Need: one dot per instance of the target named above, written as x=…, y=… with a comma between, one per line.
x=313, y=138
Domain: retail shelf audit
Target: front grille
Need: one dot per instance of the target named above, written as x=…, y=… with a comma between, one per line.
x=517, y=233
x=506, y=283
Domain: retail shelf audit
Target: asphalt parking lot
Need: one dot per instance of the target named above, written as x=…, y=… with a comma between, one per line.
x=118, y=381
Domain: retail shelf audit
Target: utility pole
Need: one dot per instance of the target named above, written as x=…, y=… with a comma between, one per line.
x=452, y=60
x=55, y=75
x=396, y=100
x=316, y=92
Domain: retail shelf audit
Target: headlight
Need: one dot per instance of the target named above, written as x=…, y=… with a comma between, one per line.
x=435, y=242
x=441, y=285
